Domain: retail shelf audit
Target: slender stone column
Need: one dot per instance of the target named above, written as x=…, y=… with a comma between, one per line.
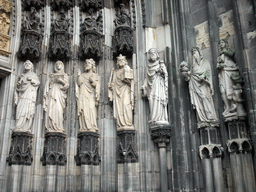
x=161, y=135
x=209, y=184
x=218, y=174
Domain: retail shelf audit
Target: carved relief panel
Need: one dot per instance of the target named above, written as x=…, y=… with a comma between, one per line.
x=5, y=11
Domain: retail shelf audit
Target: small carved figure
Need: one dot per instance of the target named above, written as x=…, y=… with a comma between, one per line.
x=230, y=80
x=122, y=18
x=200, y=88
x=121, y=92
x=91, y=22
x=25, y=98
x=55, y=99
x=88, y=93
x=62, y=23
x=4, y=24
x=155, y=88
x=32, y=21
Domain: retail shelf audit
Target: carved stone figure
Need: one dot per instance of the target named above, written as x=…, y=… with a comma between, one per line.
x=91, y=38
x=123, y=35
x=200, y=88
x=55, y=99
x=155, y=88
x=60, y=38
x=88, y=93
x=25, y=98
x=31, y=37
x=230, y=82
x=121, y=93
x=4, y=24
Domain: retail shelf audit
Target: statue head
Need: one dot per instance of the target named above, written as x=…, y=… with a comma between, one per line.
x=90, y=65
x=28, y=66
x=121, y=61
x=223, y=43
x=196, y=53
x=153, y=55
x=59, y=66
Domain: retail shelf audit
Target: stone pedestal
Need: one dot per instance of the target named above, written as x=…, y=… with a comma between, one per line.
x=239, y=147
x=161, y=135
x=21, y=149
x=54, y=149
x=126, y=146
x=87, y=149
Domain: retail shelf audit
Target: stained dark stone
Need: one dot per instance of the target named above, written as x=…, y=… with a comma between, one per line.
x=88, y=149
x=28, y=4
x=126, y=147
x=31, y=37
x=119, y=2
x=161, y=133
x=91, y=38
x=60, y=39
x=54, y=149
x=123, y=35
x=86, y=5
x=57, y=5
x=21, y=149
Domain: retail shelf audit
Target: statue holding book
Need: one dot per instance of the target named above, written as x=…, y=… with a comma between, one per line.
x=121, y=93
x=55, y=99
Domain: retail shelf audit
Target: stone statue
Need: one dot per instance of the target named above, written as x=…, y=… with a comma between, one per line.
x=62, y=23
x=4, y=24
x=32, y=21
x=88, y=93
x=155, y=88
x=121, y=92
x=230, y=82
x=200, y=88
x=122, y=18
x=55, y=99
x=91, y=22
x=25, y=98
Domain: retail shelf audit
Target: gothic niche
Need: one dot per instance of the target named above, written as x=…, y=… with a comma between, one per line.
x=123, y=35
x=27, y=4
x=86, y=5
x=58, y=5
x=60, y=38
x=91, y=43
x=31, y=37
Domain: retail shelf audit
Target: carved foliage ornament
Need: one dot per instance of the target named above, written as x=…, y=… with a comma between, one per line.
x=31, y=37
x=61, y=4
x=90, y=4
x=91, y=38
x=123, y=35
x=37, y=4
x=60, y=38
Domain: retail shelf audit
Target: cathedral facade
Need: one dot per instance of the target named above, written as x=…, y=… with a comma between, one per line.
x=127, y=95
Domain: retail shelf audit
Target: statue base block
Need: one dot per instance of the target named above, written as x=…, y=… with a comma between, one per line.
x=87, y=149
x=21, y=149
x=126, y=147
x=54, y=149
x=161, y=134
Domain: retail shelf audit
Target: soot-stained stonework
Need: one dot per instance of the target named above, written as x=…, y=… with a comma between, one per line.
x=161, y=133
x=87, y=149
x=86, y=5
x=37, y=4
x=60, y=39
x=54, y=149
x=126, y=147
x=57, y=5
x=31, y=37
x=21, y=149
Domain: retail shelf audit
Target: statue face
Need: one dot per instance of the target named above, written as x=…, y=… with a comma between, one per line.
x=28, y=66
x=153, y=56
x=196, y=54
x=88, y=65
x=222, y=44
x=121, y=62
x=59, y=66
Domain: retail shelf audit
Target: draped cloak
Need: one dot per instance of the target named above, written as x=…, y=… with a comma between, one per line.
x=121, y=93
x=55, y=102
x=156, y=85
x=86, y=93
x=25, y=99
x=201, y=91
